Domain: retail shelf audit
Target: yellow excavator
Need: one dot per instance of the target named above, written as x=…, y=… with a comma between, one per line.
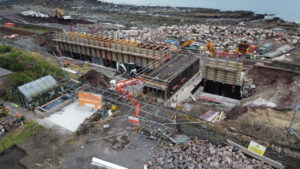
x=187, y=43
x=211, y=48
x=243, y=48
x=59, y=13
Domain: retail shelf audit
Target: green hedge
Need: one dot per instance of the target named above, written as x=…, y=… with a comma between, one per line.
x=26, y=67
x=5, y=49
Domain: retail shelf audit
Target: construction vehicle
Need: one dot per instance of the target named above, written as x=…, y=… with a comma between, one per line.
x=211, y=48
x=60, y=14
x=107, y=109
x=194, y=45
x=129, y=69
x=187, y=43
x=243, y=48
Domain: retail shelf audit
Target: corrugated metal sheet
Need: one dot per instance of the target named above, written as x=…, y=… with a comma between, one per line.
x=37, y=87
x=279, y=51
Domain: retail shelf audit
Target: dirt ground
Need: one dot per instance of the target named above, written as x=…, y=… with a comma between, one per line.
x=50, y=149
x=95, y=78
x=265, y=124
x=279, y=86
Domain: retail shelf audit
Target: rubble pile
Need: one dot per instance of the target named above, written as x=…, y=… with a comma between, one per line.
x=201, y=154
x=248, y=88
x=222, y=36
x=86, y=125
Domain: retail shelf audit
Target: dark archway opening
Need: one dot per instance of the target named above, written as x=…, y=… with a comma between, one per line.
x=220, y=89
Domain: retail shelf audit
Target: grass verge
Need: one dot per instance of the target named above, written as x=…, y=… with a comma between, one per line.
x=19, y=135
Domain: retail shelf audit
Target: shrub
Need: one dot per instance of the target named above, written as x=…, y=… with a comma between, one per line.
x=5, y=49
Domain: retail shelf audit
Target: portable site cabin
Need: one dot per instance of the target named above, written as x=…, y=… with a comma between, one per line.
x=37, y=92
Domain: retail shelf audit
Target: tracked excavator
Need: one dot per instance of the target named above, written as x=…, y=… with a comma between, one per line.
x=60, y=14
x=211, y=48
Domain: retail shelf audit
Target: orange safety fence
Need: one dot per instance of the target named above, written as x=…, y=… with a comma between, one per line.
x=129, y=96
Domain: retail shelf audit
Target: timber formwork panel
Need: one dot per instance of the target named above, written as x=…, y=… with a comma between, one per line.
x=142, y=55
x=221, y=70
x=98, y=53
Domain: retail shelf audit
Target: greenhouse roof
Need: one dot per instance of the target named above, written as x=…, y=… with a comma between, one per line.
x=35, y=88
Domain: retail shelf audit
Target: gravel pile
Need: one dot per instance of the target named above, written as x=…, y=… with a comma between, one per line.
x=203, y=155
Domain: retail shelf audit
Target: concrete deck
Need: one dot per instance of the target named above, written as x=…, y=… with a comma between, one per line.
x=70, y=117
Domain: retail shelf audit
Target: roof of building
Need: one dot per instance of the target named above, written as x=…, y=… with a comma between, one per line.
x=35, y=88
x=4, y=72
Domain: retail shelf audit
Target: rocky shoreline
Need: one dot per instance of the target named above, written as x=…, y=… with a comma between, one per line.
x=150, y=16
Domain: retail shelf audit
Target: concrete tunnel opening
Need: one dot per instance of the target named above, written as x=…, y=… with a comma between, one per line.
x=221, y=89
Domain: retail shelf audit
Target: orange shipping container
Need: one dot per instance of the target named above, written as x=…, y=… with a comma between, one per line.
x=90, y=100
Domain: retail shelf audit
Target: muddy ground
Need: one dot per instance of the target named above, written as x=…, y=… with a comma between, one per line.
x=10, y=158
x=50, y=150
x=265, y=124
x=279, y=86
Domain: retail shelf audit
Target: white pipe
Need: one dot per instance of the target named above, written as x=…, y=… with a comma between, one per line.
x=108, y=165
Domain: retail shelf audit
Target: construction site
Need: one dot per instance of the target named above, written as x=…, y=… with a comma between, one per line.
x=91, y=89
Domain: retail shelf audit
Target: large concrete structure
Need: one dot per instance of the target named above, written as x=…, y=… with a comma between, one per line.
x=165, y=81
x=168, y=72
x=107, y=51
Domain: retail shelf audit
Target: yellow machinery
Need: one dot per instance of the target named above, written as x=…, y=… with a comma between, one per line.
x=113, y=107
x=243, y=48
x=59, y=13
x=187, y=43
x=211, y=48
